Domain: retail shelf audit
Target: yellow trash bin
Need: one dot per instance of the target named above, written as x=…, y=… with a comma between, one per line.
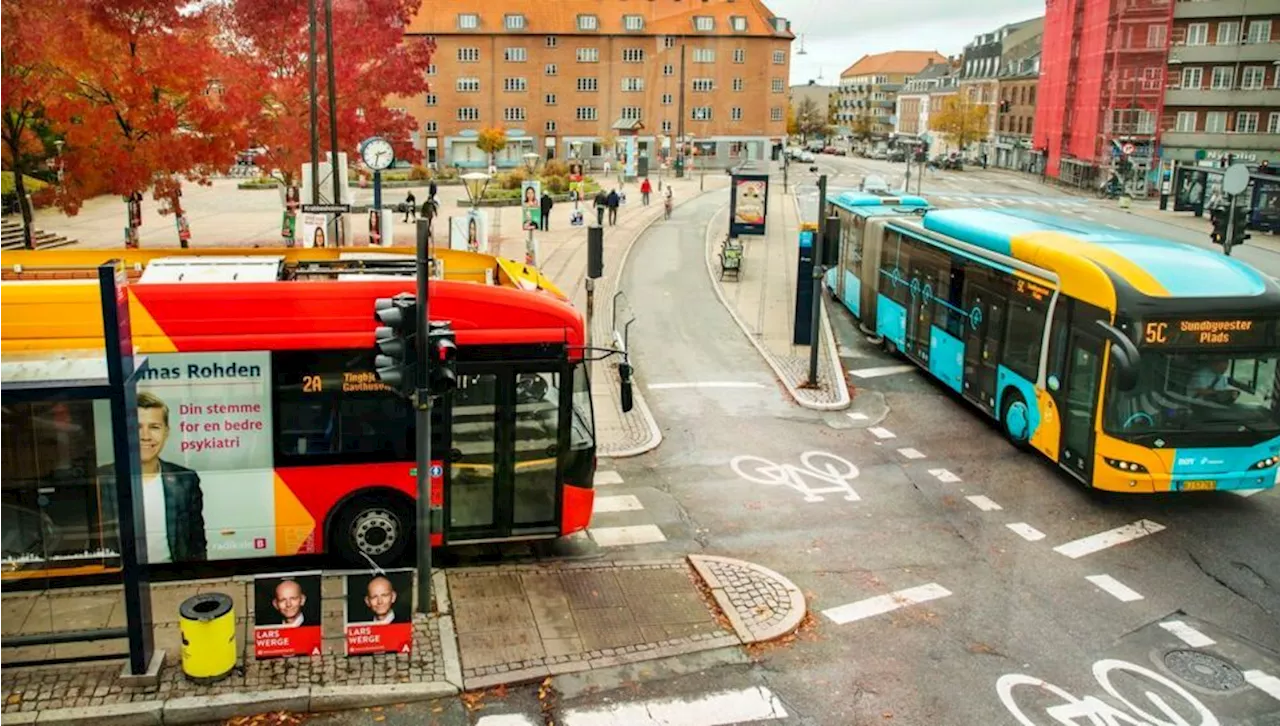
x=208, y=624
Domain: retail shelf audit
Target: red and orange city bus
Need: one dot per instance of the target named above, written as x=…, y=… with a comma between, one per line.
x=263, y=428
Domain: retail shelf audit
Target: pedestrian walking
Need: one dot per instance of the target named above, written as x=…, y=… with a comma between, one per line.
x=612, y=201
x=431, y=190
x=607, y=167
x=602, y=202
x=645, y=190
x=410, y=207
x=429, y=213
x=546, y=203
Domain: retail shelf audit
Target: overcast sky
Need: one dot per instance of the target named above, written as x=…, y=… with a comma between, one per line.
x=838, y=32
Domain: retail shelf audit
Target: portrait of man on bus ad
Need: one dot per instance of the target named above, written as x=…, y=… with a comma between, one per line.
x=286, y=615
x=379, y=612
x=204, y=439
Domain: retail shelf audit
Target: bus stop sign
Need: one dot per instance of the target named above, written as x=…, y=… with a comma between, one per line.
x=1236, y=180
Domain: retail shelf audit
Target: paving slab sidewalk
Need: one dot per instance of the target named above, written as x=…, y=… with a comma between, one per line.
x=492, y=626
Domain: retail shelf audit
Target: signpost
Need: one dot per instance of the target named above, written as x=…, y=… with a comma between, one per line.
x=1234, y=182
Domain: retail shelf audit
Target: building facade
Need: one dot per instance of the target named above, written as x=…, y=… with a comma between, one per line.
x=1223, y=95
x=985, y=57
x=912, y=113
x=1016, y=107
x=869, y=88
x=562, y=78
x=1101, y=90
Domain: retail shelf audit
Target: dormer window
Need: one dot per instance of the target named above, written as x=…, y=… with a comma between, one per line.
x=514, y=21
x=588, y=22
x=738, y=23
x=468, y=21
x=633, y=23
x=704, y=23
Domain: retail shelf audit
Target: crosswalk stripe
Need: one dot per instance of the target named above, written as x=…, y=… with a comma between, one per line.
x=1264, y=682
x=881, y=371
x=632, y=535
x=1187, y=634
x=1097, y=542
x=607, y=477
x=1115, y=588
x=881, y=604
x=716, y=709
x=621, y=503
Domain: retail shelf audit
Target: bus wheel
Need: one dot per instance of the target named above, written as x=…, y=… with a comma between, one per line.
x=1016, y=420
x=375, y=527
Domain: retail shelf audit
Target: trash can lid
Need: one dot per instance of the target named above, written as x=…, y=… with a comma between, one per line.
x=205, y=607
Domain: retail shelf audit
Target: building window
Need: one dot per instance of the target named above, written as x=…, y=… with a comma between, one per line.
x=515, y=85
x=1155, y=36
x=1224, y=78
x=739, y=55
x=586, y=113
x=668, y=41
x=550, y=127
x=1253, y=78
x=633, y=55
x=1259, y=31
x=431, y=69
x=468, y=113
x=588, y=55
x=667, y=99
x=468, y=21
x=467, y=85
x=738, y=23
x=704, y=55
x=1215, y=122
x=1186, y=122
x=550, y=70
x=513, y=113
x=588, y=84
x=431, y=127
x=1228, y=32
x=779, y=57
x=1198, y=34
x=704, y=85
x=735, y=114
x=431, y=99
x=775, y=113
x=588, y=22
x=632, y=84
x=700, y=113
x=631, y=113
x=468, y=55
x=1192, y=78
x=549, y=99
x=514, y=21
x=668, y=70
x=1273, y=123
x=1247, y=122
x=738, y=84
x=633, y=23
x=704, y=23
x=516, y=55
x=552, y=41
x=776, y=85
x=666, y=126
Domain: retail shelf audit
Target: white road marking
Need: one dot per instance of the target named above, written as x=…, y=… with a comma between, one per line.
x=607, y=477
x=882, y=433
x=881, y=371
x=715, y=709
x=944, y=476
x=505, y=719
x=1026, y=531
x=1246, y=492
x=1187, y=634
x=885, y=603
x=633, y=535
x=621, y=503
x=984, y=503
x=1118, y=589
x=911, y=453
x=1110, y=538
x=1264, y=682
x=1087, y=218
x=707, y=384
x=858, y=417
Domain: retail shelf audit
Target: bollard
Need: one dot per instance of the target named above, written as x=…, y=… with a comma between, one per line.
x=208, y=624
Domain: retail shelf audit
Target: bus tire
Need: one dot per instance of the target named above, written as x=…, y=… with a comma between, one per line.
x=1015, y=419
x=379, y=525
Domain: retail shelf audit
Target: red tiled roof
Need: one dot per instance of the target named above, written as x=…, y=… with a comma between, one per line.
x=895, y=61
x=560, y=17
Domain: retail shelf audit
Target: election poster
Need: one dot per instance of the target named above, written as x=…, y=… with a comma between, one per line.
x=531, y=204
x=286, y=615
x=379, y=612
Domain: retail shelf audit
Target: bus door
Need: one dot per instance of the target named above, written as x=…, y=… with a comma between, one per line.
x=986, y=312
x=1078, y=400
x=505, y=439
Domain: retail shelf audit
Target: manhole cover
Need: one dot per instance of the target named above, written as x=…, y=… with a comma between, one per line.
x=1204, y=670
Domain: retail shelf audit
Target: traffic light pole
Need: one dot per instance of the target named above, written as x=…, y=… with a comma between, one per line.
x=815, y=339
x=422, y=420
x=1231, y=225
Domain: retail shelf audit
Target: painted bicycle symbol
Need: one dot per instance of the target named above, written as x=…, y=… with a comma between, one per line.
x=830, y=473
x=1154, y=700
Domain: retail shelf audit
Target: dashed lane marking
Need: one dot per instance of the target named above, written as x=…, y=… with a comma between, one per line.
x=858, y=417
x=944, y=476
x=1112, y=537
x=1026, y=531
x=1187, y=634
x=1264, y=682
x=885, y=603
x=882, y=433
x=1246, y=492
x=984, y=503
x=715, y=709
x=632, y=535
x=621, y=503
x=911, y=453
x=1117, y=589
x=505, y=719
x=706, y=384
x=603, y=478
x=881, y=371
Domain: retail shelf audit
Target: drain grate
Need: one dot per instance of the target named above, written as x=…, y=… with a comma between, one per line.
x=1204, y=670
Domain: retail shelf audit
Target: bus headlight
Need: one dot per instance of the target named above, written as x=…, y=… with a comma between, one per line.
x=1268, y=462
x=1123, y=465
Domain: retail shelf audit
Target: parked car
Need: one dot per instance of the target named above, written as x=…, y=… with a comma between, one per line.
x=874, y=184
x=897, y=155
x=806, y=156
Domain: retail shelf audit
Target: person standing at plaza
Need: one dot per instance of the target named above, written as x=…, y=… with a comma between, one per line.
x=546, y=203
x=410, y=207
x=601, y=202
x=612, y=202
x=645, y=190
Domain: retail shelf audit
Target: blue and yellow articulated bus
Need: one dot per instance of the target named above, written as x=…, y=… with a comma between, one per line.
x=1136, y=364
x=853, y=209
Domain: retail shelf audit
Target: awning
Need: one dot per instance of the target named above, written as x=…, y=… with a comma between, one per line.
x=627, y=124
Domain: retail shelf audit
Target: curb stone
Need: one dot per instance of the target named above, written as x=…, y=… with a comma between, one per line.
x=746, y=632
x=449, y=652
x=145, y=713
x=342, y=698
x=204, y=709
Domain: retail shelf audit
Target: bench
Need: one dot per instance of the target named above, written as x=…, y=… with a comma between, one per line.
x=730, y=259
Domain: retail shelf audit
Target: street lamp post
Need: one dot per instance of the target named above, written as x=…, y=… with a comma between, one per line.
x=475, y=182
x=530, y=244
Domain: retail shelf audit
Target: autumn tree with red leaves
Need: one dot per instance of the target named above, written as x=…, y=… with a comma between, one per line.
x=374, y=63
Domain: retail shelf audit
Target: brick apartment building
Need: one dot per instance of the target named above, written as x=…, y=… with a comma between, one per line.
x=869, y=89
x=1016, y=112
x=985, y=57
x=562, y=76
x=912, y=115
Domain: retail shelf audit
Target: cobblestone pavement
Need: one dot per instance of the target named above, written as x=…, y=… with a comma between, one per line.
x=761, y=604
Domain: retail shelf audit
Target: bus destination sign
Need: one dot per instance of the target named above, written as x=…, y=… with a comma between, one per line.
x=1195, y=332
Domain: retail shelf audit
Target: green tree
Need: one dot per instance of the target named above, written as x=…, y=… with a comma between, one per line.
x=810, y=120
x=961, y=119
x=864, y=128
x=491, y=141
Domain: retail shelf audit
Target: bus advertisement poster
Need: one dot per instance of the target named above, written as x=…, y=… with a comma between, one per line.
x=204, y=435
x=379, y=612
x=748, y=205
x=286, y=615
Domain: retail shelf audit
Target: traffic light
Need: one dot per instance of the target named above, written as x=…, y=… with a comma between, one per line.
x=1218, y=216
x=831, y=242
x=1240, y=232
x=395, y=340
x=442, y=352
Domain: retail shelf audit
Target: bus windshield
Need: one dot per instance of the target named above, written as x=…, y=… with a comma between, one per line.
x=1198, y=392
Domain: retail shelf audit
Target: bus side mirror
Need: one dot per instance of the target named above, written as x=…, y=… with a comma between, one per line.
x=624, y=386
x=1124, y=354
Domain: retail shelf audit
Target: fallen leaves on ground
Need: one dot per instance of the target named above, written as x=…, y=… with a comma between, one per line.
x=473, y=700
x=276, y=718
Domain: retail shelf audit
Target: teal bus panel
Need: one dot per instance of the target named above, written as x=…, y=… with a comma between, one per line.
x=891, y=321
x=946, y=357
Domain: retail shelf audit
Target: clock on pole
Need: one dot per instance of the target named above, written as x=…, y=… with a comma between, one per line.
x=377, y=154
